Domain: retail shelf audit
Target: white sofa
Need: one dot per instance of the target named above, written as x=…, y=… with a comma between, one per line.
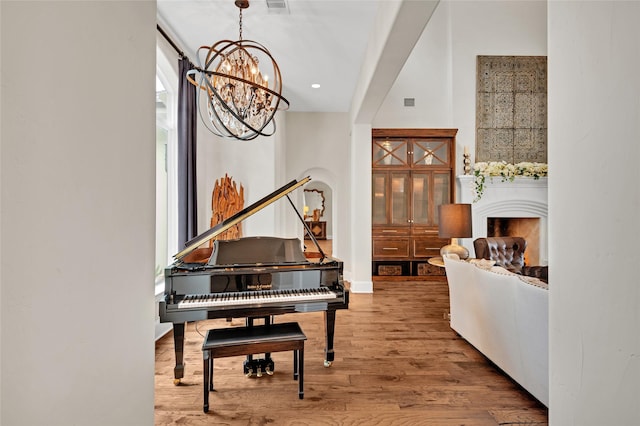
x=506, y=317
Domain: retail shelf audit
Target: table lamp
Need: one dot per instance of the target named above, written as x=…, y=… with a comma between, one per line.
x=454, y=222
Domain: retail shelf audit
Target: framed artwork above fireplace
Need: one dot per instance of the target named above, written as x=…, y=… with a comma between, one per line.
x=511, y=109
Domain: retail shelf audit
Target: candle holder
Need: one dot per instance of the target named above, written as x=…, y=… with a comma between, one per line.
x=467, y=163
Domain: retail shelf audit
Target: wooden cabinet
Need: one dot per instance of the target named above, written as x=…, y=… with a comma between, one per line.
x=318, y=229
x=412, y=174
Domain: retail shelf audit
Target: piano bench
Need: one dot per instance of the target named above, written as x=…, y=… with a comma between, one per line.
x=236, y=341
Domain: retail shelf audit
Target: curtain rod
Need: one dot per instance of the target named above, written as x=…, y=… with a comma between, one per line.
x=175, y=46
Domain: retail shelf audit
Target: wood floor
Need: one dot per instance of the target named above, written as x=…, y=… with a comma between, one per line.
x=397, y=363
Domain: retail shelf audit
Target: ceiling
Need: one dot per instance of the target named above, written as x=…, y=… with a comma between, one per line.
x=313, y=41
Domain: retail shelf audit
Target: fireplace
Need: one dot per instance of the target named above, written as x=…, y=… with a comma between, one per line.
x=517, y=208
x=525, y=227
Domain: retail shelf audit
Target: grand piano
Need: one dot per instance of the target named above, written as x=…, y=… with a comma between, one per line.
x=252, y=278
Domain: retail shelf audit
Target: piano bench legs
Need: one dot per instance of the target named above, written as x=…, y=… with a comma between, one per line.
x=236, y=341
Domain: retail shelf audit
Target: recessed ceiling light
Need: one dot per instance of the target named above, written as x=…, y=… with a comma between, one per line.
x=315, y=85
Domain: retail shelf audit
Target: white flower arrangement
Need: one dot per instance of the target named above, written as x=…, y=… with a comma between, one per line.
x=506, y=171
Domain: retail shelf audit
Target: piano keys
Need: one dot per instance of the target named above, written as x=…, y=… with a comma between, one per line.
x=252, y=277
x=254, y=298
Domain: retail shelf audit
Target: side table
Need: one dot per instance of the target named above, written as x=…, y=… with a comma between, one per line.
x=436, y=261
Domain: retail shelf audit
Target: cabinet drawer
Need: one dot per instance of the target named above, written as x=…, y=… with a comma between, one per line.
x=427, y=247
x=390, y=247
x=391, y=231
x=423, y=231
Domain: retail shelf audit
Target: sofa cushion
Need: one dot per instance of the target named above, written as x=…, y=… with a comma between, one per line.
x=483, y=263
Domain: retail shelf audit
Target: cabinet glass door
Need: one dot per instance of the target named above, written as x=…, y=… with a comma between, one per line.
x=420, y=198
x=441, y=191
x=389, y=153
x=430, y=152
x=399, y=198
x=379, y=198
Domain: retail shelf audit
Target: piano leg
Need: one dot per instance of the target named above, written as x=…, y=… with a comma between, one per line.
x=329, y=327
x=178, y=343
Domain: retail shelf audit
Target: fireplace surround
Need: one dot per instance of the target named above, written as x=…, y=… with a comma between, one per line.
x=524, y=197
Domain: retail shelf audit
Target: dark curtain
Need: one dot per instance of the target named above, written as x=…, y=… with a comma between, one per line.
x=187, y=199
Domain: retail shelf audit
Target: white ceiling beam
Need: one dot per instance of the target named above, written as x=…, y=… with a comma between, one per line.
x=398, y=26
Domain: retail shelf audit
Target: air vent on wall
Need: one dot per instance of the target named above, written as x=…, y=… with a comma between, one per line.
x=409, y=102
x=277, y=6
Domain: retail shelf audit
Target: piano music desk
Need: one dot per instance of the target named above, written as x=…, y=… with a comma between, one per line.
x=235, y=341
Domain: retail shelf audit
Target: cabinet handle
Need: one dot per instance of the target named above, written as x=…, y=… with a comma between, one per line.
x=389, y=248
x=389, y=230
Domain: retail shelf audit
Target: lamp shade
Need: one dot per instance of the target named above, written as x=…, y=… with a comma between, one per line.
x=454, y=221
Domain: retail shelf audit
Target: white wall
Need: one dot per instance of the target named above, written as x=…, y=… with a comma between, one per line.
x=77, y=193
x=426, y=77
x=318, y=146
x=594, y=199
x=360, y=208
x=252, y=164
x=1, y=226
x=305, y=144
x=488, y=28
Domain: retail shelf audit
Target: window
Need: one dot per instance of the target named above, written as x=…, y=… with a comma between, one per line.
x=166, y=177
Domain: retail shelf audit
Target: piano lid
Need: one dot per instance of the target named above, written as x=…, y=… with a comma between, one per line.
x=197, y=241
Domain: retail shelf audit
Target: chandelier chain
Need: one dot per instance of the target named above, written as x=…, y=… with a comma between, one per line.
x=240, y=24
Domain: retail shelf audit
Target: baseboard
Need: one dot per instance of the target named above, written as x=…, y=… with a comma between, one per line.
x=361, y=287
x=162, y=328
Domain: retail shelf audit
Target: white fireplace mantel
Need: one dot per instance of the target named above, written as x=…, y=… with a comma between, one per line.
x=524, y=197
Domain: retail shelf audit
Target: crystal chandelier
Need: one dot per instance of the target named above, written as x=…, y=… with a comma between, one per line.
x=240, y=103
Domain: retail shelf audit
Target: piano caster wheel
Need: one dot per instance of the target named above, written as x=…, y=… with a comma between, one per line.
x=327, y=364
x=176, y=382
